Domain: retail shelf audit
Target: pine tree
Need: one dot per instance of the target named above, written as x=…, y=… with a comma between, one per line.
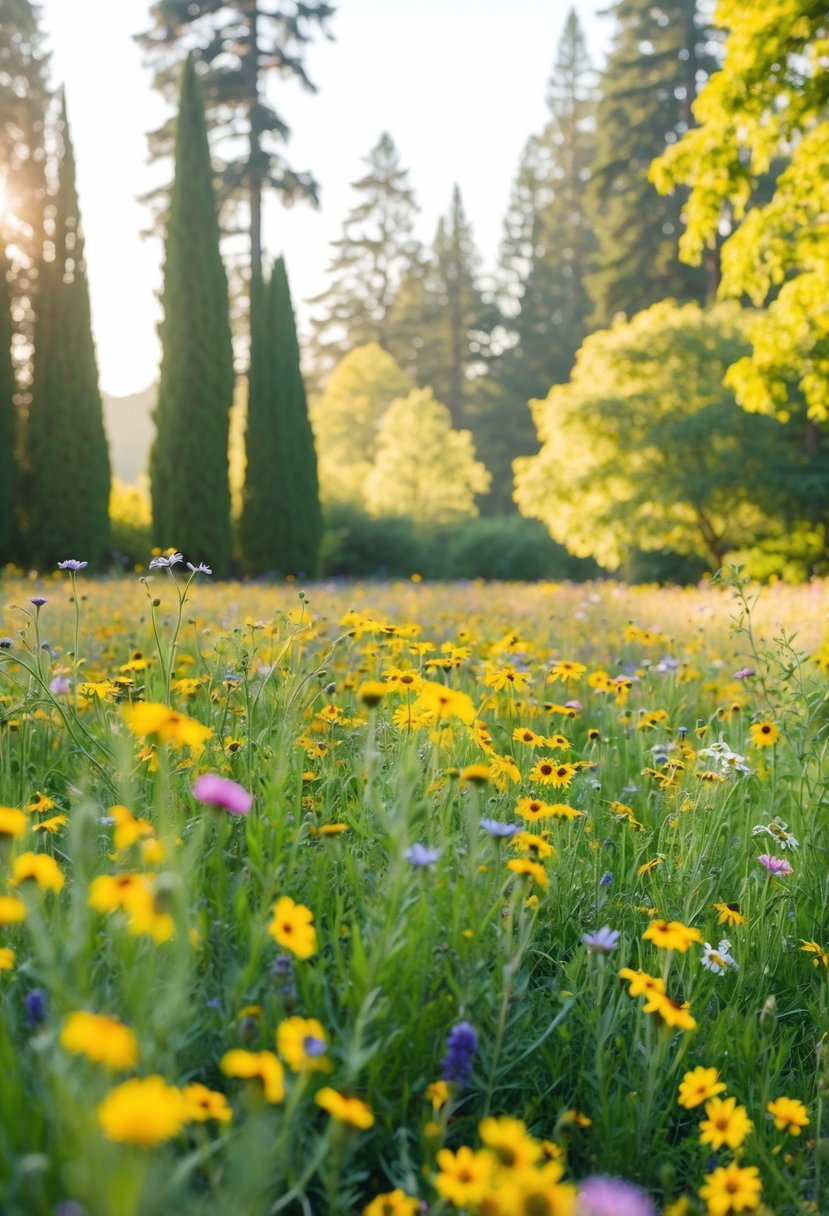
x=369, y=259
x=545, y=260
x=67, y=452
x=242, y=44
x=189, y=458
x=441, y=320
x=659, y=61
x=8, y=468
x=281, y=525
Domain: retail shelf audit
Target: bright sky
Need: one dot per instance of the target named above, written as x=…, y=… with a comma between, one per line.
x=459, y=84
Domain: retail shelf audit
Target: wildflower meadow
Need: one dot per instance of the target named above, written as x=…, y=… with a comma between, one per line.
x=497, y=899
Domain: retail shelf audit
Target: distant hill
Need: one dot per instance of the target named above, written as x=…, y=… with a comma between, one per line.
x=130, y=429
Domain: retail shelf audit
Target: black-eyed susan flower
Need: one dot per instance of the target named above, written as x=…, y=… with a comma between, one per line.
x=732, y=1188
x=464, y=1177
x=821, y=953
x=39, y=868
x=671, y=935
x=698, y=1085
x=202, y=1104
x=726, y=1123
x=353, y=1111
x=301, y=1043
x=392, y=1203
x=101, y=1038
x=261, y=1066
x=13, y=823
x=764, y=734
x=167, y=725
x=789, y=1115
x=144, y=1111
x=292, y=927
x=730, y=914
x=548, y=771
x=530, y=869
x=640, y=983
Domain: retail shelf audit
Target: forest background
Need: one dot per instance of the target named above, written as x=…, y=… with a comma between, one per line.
x=565, y=412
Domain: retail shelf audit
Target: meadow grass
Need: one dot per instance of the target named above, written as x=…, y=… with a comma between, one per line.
x=638, y=750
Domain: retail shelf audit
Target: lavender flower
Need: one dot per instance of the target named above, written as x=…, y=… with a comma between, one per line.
x=600, y=1196
x=744, y=673
x=419, y=855
x=164, y=563
x=497, y=829
x=603, y=941
x=775, y=865
x=461, y=1043
x=606, y=879
x=60, y=686
x=72, y=564
x=314, y=1047
x=38, y=601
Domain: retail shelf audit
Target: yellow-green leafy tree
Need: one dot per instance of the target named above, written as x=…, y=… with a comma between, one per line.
x=346, y=419
x=423, y=468
x=769, y=100
x=646, y=448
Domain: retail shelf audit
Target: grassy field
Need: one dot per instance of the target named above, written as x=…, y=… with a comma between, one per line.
x=412, y=898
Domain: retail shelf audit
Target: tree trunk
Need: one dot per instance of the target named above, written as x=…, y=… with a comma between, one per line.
x=254, y=177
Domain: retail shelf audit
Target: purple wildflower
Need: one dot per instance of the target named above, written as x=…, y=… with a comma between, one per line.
x=419, y=855
x=313, y=1047
x=164, y=563
x=576, y=705
x=60, y=686
x=6, y=643
x=775, y=865
x=603, y=941
x=214, y=790
x=496, y=828
x=601, y=1196
x=461, y=1043
x=72, y=564
x=743, y=673
x=35, y=1004
x=606, y=879
x=38, y=600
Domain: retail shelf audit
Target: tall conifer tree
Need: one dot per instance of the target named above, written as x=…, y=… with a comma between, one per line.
x=368, y=261
x=660, y=59
x=548, y=243
x=8, y=469
x=67, y=452
x=189, y=458
x=281, y=525
x=441, y=320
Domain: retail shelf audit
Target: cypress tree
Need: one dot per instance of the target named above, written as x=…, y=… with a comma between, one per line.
x=67, y=452
x=189, y=461
x=660, y=59
x=281, y=526
x=7, y=419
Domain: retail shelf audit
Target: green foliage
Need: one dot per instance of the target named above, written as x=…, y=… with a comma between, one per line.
x=281, y=523
x=660, y=57
x=67, y=491
x=768, y=101
x=189, y=457
x=423, y=468
x=8, y=438
x=646, y=447
x=545, y=257
x=346, y=417
x=130, y=517
x=369, y=259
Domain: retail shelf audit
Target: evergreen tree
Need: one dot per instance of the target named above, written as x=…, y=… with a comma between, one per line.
x=189, y=458
x=545, y=259
x=441, y=320
x=67, y=453
x=369, y=259
x=242, y=43
x=281, y=524
x=8, y=469
x=24, y=99
x=660, y=59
